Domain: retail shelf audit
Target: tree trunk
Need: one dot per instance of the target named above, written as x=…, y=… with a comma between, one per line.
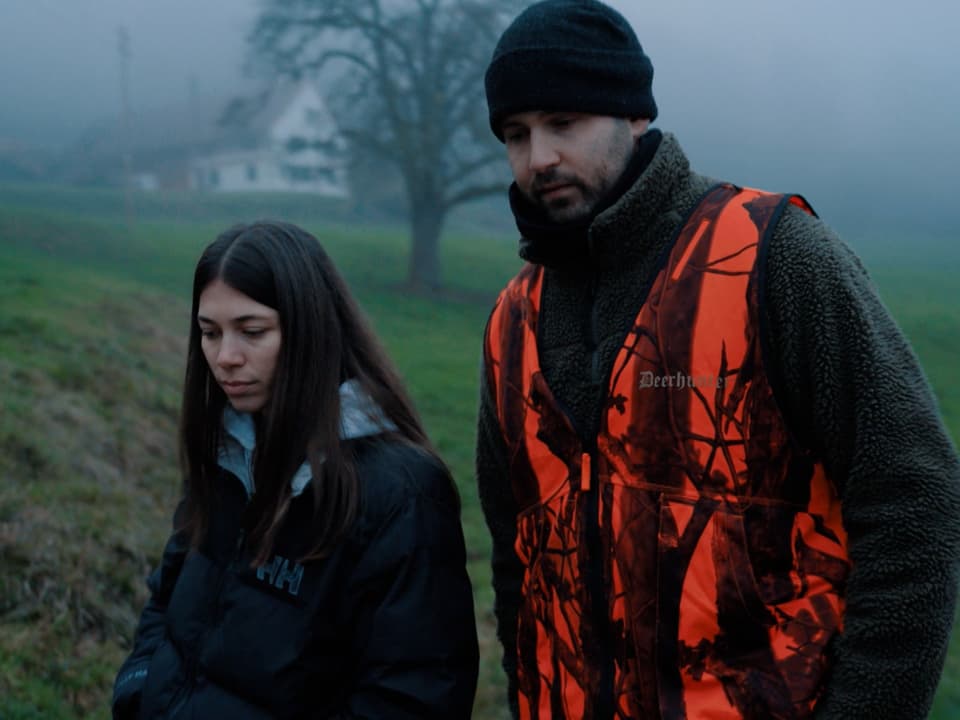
x=426, y=222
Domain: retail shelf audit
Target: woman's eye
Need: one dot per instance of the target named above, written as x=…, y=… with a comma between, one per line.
x=208, y=334
x=253, y=332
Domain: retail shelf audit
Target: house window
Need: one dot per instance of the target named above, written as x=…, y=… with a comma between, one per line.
x=309, y=173
x=299, y=173
x=251, y=172
x=297, y=144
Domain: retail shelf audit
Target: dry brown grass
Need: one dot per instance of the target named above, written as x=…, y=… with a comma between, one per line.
x=89, y=478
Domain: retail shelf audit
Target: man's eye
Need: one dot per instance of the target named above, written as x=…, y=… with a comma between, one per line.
x=561, y=122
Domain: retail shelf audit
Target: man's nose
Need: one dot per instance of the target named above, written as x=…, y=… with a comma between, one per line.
x=543, y=153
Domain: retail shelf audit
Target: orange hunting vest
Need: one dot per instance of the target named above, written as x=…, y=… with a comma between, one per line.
x=689, y=561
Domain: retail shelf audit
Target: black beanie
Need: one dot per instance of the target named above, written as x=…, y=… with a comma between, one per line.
x=573, y=56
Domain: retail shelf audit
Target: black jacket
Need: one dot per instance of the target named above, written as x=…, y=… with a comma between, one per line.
x=382, y=628
x=851, y=389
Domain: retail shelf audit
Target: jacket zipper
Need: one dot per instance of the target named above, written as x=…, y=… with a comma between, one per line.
x=593, y=324
x=186, y=690
x=233, y=559
x=180, y=698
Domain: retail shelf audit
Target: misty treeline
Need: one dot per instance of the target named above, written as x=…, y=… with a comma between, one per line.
x=405, y=81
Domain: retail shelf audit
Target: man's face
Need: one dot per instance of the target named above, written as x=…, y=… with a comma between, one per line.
x=565, y=162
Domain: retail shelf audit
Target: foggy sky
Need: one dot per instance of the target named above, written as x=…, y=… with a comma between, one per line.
x=757, y=91
x=60, y=69
x=834, y=84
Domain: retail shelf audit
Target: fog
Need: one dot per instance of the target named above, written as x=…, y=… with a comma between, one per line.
x=60, y=66
x=854, y=104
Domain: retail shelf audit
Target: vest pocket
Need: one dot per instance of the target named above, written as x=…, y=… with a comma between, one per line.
x=738, y=642
x=704, y=569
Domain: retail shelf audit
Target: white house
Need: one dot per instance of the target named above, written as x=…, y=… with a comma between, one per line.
x=284, y=141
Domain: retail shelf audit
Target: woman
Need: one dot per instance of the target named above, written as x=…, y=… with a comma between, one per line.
x=316, y=568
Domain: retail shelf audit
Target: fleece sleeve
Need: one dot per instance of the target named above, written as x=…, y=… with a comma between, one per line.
x=150, y=630
x=500, y=511
x=415, y=652
x=852, y=388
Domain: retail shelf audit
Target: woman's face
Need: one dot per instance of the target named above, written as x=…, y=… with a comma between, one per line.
x=240, y=339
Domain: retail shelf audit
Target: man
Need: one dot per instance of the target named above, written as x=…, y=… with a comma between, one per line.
x=715, y=476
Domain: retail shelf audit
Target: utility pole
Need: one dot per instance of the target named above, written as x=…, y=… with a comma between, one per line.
x=193, y=138
x=123, y=48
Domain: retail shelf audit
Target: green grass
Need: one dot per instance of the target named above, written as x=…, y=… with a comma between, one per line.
x=92, y=324
x=92, y=321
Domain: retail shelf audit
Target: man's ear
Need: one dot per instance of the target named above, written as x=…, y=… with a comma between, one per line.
x=638, y=126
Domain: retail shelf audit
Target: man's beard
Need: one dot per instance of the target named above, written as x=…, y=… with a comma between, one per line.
x=565, y=209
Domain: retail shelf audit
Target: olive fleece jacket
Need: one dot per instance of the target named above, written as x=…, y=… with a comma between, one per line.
x=851, y=389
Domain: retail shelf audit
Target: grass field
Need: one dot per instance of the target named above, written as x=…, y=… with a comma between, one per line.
x=92, y=324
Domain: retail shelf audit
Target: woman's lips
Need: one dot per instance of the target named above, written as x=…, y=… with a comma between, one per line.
x=236, y=387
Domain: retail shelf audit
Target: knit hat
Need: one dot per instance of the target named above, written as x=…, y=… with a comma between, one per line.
x=573, y=56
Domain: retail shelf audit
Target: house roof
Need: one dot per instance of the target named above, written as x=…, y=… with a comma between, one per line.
x=258, y=112
x=174, y=134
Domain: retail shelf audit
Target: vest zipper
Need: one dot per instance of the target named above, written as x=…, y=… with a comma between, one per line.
x=594, y=583
x=599, y=601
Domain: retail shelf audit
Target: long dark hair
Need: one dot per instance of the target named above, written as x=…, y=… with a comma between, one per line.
x=325, y=340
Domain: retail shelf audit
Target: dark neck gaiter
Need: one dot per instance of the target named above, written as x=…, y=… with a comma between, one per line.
x=545, y=242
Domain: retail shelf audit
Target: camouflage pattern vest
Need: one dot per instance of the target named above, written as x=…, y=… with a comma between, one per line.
x=690, y=560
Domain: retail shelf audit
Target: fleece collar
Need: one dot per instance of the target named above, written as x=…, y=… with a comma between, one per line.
x=360, y=417
x=614, y=233
x=558, y=245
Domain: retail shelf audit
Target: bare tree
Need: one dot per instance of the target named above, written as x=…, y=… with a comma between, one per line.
x=411, y=72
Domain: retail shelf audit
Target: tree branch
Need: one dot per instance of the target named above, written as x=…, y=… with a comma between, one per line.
x=472, y=193
x=410, y=85
x=374, y=143
x=469, y=167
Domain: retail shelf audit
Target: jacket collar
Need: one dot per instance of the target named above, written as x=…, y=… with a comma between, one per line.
x=360, y=417
x=567, y=245
x=652, y=193
x=604, y=241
